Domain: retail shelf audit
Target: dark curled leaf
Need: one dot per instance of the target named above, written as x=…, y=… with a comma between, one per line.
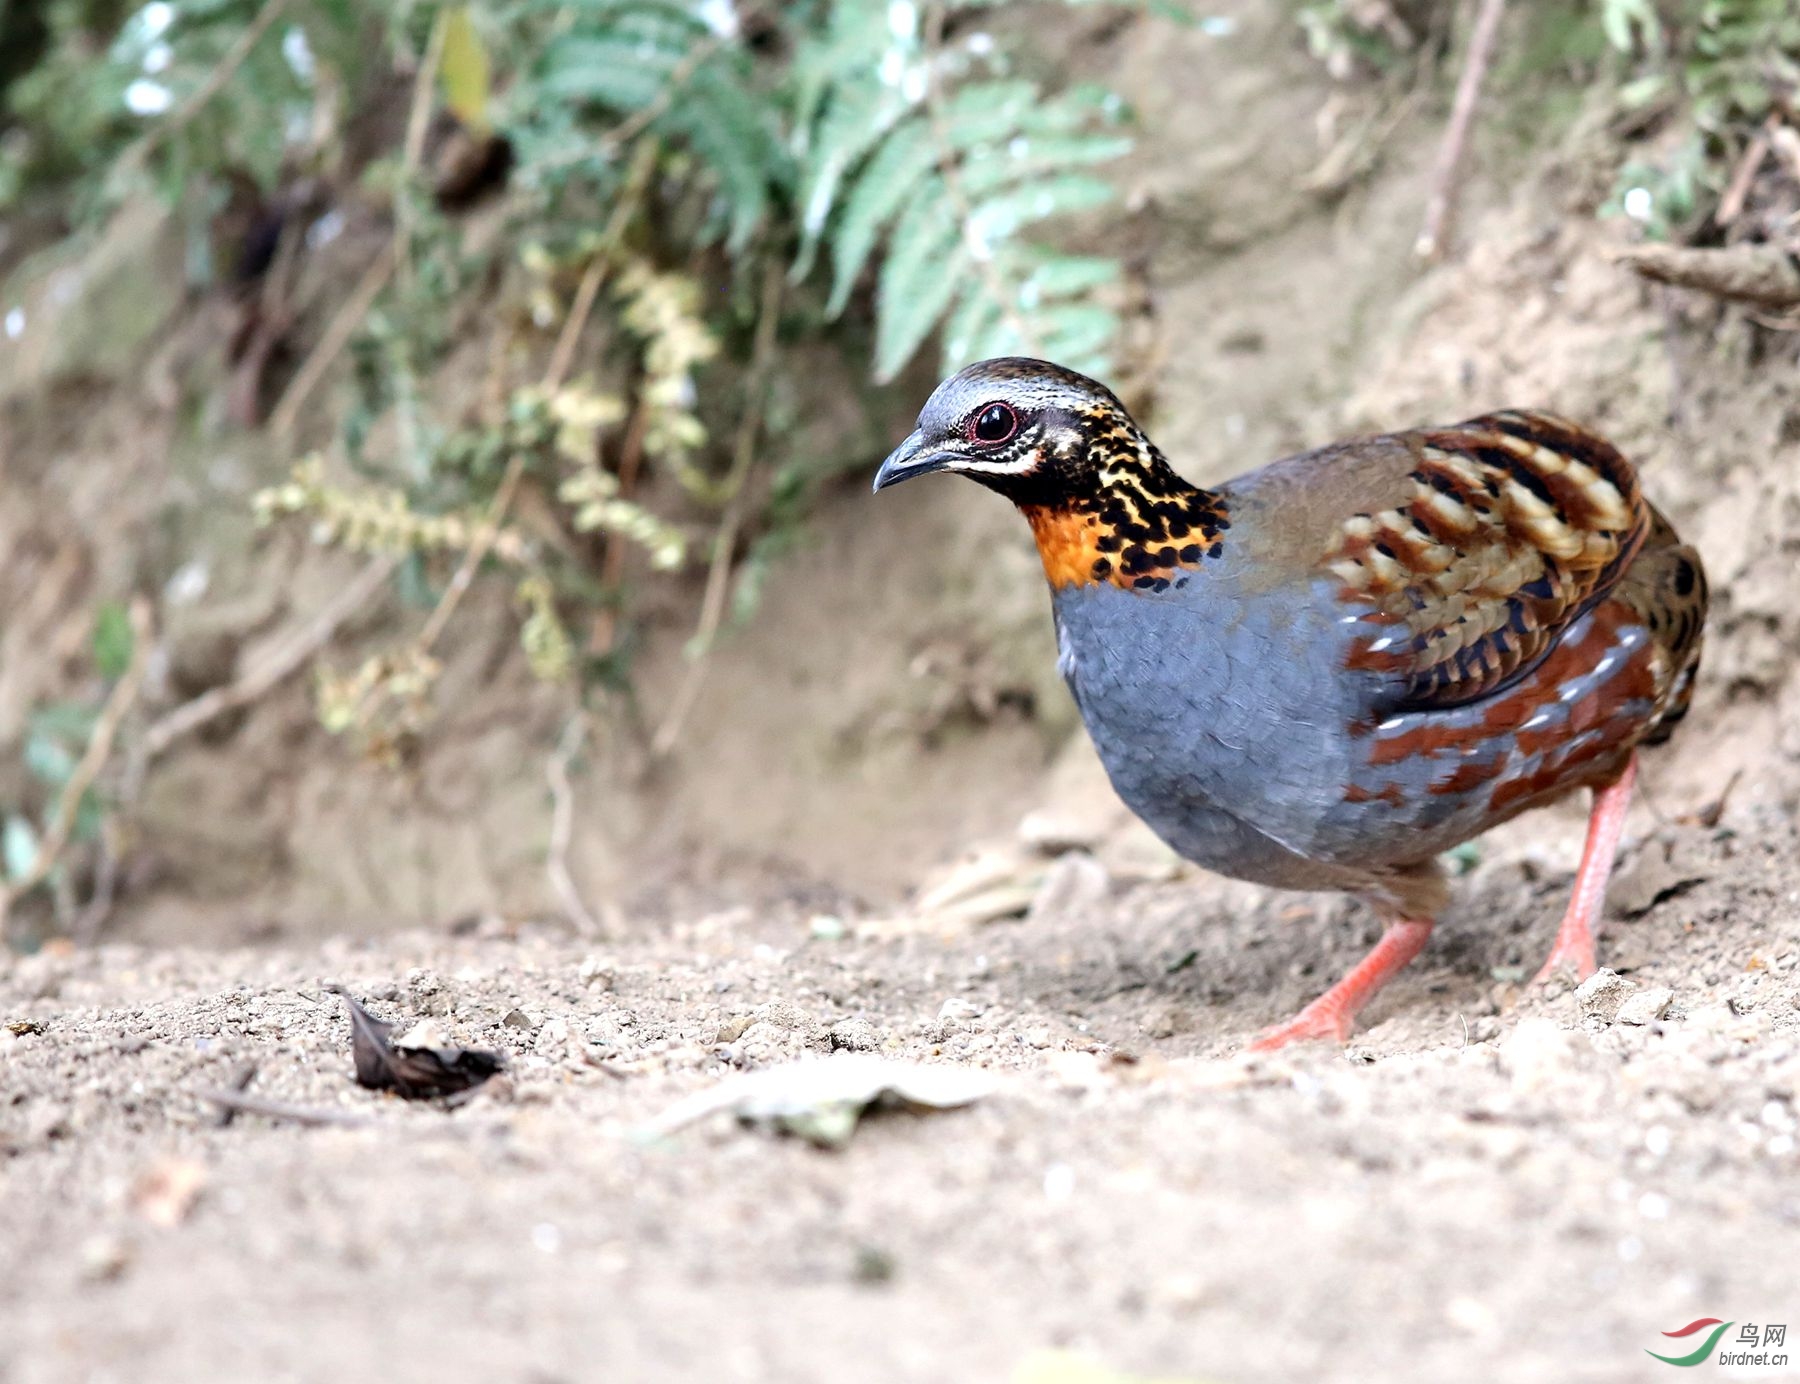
x=416, y=1073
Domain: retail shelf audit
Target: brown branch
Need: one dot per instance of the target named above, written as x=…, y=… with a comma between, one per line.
x=570, y=336
x=1731, y=205
x=636, y=182
x=473, y=555
x=1763, y=275
x=281, y=663
x=718, y=576
x=562, y=826
x=215, y=83
x=679, y=75
x=281, y=1110
x=1430, y=244
x=93, y=759
x=343, y=326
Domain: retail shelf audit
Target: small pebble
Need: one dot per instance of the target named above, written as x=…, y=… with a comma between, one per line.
x=1601, y=995
x=104, y=1258
x=1646, y=1007
x=855, y=1035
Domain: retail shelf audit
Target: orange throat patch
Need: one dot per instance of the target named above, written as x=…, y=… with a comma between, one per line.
x=1132, y=541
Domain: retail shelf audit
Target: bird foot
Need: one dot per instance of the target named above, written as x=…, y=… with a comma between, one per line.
x=1311, y=1023
x=1572, y=954
x=1571, y=960
x=1333, y=1014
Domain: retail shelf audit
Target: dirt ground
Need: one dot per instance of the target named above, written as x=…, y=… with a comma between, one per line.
x=1491, y=1182
x=1487, y=1184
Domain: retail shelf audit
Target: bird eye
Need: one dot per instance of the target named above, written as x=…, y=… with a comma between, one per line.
x=995, y=423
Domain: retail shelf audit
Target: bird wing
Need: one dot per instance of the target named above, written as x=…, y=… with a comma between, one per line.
x=1512, y=526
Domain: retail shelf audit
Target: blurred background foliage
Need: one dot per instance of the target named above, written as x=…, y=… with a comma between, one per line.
x=685, y=166
x=651, y=211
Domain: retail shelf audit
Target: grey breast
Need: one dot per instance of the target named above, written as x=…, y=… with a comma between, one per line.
x=1223, y=722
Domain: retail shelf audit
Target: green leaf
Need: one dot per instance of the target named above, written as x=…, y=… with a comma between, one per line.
x=1064, y=276
x=918, y=279
x=1029, y=156
x=855, y=119
x=613, y=70
x=998, y=218
x=463, y=70
x=894, y=174
x=69, y=722
x=18, y=846
x=1078, y=331
x=987, y=112
x=967, y=331
x=47, y=759
x=113, y=640
x=90, y=813
x=725, y=127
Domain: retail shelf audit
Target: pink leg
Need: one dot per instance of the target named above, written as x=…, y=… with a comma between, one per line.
x=1334, y=1012
x=1574, y=946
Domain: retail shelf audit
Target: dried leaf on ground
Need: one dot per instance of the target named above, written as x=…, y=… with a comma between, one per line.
x=821, y=1099
x=418, y=1066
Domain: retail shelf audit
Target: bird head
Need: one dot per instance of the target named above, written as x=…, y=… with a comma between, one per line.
x=1025, y=428
x=1102, y=503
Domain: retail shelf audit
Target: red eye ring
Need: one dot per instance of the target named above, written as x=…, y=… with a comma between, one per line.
x=993, y=423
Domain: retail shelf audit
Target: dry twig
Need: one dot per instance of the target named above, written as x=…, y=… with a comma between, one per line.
x=215, y=82
x=1731, y=205
x=560, y=359
x=1430, y=244
x=570, y=336
x=562, y=825
x=343, y=325
x=281, y=1110
x=93, y=759
x=718, y=575
x=418, y=120
x=280, y=664
x=1760, y=274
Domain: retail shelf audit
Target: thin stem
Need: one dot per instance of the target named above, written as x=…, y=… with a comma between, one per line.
x=1430, y=244
x=93, y=759
x=418, y=121
x=623, y=210
x=343, y=326
x=215, y=83
x=718, y=576
x=245, y=1103
x=281, y=663
x=562, y=825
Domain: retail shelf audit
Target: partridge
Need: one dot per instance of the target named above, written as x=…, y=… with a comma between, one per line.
x=1329, y=671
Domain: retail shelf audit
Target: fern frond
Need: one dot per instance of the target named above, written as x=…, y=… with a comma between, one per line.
x=659, y=60
x=944, y=187
x=920, y=277
x=895, y=174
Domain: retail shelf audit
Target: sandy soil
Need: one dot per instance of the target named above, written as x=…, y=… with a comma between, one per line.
x=1488, y=1183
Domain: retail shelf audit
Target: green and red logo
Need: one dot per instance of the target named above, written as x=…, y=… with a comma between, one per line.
x=1706, y=1347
